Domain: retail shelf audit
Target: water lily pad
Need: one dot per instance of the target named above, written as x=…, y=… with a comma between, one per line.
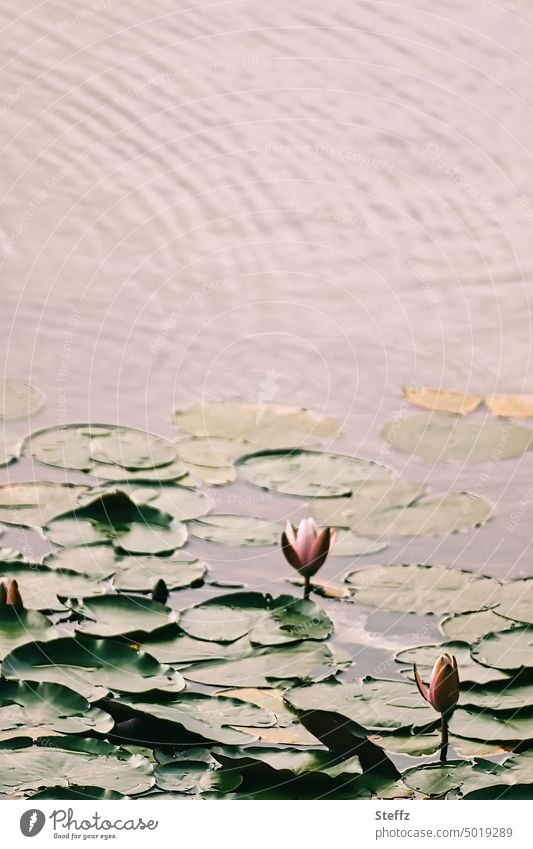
x=64, y=761
x=439, y=436
x=486, y=725
x=288, y=730
x=35, y=710
x=36, y=503
x=231, y=529
x=10, y=554
x=470, y=672
x=516, y=601
x=9, y=449
x=212, y=452
x=96, y=561
x=212, y=475
x=183, y=503
x=308, y=473
x=76, y=533
x=121, y=615
x=116, y=508
x=511, y=697
x=519, y=406
x=264, y=666
x=438, y=516
x=429, y=742
x=171, y=472
x=348, y=544
x=265, y=425
x=469, y=627
x=442, y=400
x=438, y=779
x=18, y=627
x=152, y=539
x=132, y=449
x=18, y=399
x=375, y=705
x=369, y=498
x=66, y=447
x=144, y=572
x=42, y=588
x=188, y=776
x=80, y=792
x=267, y=620
x=91, y=667
x=290, y=762
x=209, y=717
x=185, y=649
x=419, y=588
x=508, y=650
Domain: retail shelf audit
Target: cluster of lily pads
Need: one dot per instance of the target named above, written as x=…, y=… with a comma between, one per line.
x=112, y=687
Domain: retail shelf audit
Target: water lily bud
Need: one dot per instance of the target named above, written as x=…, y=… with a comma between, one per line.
x=13, y=596
x=3, y=594
x=160, y=591
x=443, y=690
x=306, y=547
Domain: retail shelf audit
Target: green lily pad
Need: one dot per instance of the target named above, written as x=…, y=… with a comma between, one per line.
x=230, y=529
x=438, y=779
x=18, y=399
x=519, y=792
x=152, y=539
x=183, y=503
x=144, y=573
x=265, y=425
x=262, y=667
x=171, y=472
x=267, y=620
x=209, y=717
x=212, y=452
x=375, y=705
x=185, y=649
x=427, y=743
x=96, y=561
x=469, y=627
x=10, y=554
x=65, y=761
x=121, y=615
x=511, y=697
x=36, y=503
x=308, y=473
x=132, y=450
x=288, y=730
x=212, y=475
x=91, y=667
x=9, y=449
x=509, y=650
x=67, y=446
x=420, y=588
x=34, y=710
x=367, y=499
x=348, y=544
x=290, y=762
x=80, y=792
x=441, y=436
x=74, y=533
x=42, y=588
x=485, y=725
x=438, y=516
x=188, y=776
x=18, y=627
x=470, y=672
x=516, y=601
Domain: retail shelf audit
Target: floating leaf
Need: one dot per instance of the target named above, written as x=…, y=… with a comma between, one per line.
x=290, y=762
x=438, y=516
x=212, y=475
x=121, y=615
x=36, y=503
x=66, y=447
x=9, y=449
x=308, y=473
x=212, y=452
x=171, y=472
x=267, y=620
x=91, y=667
x=185, y=649
x=469, y=627
x=20, y=626
x=439, y=436
x=269, y=425
x=427, y=743
x=348, y=544
x=18, y=399
x=144, y=573
x=35, y=710
x=42, y=588
x=76, y=533
x=369, y=498
x=509, y=698
x=438, y=779
x=323, y=589
x=288, y=730
x=501, y=791
x=187, y=776
x=132, y=449
x=419, y=588
x=183, y=503
x=10, y=554
x=516, y=601
x=375, y=705
x=509, y=650
x=264, y=666
x=470, y=672
x=69, y=761
x=519, y=406
x=97, y=561
x=207, y=717
x=230, y=529
x=152, y=539
x=485, y=725
x=442, y=400
x=80, y=792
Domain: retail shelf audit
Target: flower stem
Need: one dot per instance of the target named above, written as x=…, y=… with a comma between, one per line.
x=307, y=587
x=443, y=738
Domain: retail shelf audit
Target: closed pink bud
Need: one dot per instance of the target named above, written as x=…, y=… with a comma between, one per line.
x=443, y=690
x=13, y=596
x=306, y=547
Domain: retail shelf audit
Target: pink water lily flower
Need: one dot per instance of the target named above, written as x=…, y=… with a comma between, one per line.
x=306, y=548
x=9, y=593
x=443, y=690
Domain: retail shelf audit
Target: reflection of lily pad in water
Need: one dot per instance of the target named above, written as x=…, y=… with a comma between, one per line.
x=417, y=588
x=18, y=399
x=231, y=529
x=439, y=436
x=308, y=473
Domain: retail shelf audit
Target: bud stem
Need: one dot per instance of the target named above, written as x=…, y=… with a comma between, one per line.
x=307, y=587
x=443, y=738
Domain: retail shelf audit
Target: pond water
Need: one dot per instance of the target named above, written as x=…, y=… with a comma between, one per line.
x=278, y=202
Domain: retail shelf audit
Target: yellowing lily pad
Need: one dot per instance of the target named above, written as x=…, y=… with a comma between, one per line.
x=442, y=400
